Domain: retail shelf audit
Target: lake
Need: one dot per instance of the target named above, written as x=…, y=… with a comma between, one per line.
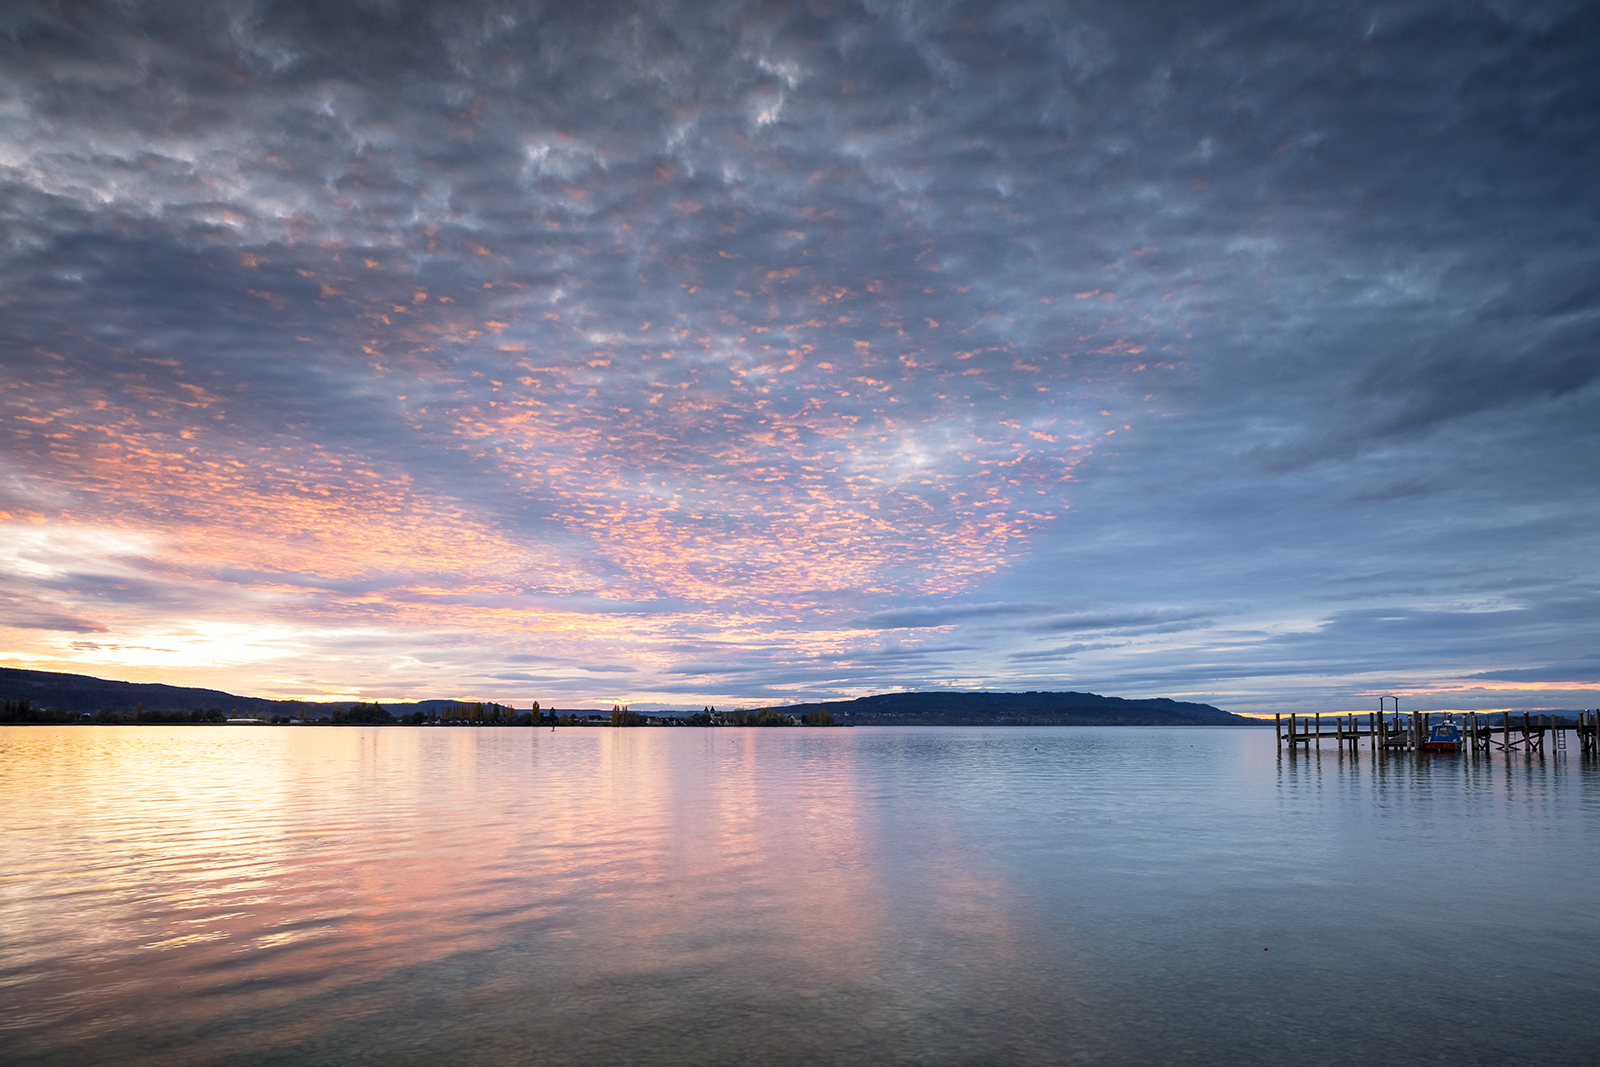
x=304, y=895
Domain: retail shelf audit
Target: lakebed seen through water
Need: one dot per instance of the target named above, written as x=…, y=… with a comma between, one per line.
x=876, y=895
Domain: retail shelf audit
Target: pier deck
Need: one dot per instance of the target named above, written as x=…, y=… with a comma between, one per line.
x=1394, y=731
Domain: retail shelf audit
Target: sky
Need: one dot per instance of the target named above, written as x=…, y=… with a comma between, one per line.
x=731, y=353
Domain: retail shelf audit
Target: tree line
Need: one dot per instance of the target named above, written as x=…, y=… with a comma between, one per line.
x=25, y=711
x=474, y=713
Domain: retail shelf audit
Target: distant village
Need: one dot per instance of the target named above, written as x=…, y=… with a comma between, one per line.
x=439, y=713
x=491, y=714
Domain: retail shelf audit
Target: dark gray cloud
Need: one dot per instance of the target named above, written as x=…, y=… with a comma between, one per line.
x=1583, y=672
x=1061, y=651
x=919, y=618
x=1163, y=621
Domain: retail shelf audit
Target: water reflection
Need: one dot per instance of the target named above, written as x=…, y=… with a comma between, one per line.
x=194, y=895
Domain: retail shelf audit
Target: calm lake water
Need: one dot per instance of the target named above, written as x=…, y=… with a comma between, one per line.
x=284, y=895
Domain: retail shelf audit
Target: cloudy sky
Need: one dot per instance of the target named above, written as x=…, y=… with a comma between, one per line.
x=735, y=353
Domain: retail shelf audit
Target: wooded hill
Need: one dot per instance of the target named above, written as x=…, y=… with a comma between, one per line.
x=1018, y=709
x=80, y=694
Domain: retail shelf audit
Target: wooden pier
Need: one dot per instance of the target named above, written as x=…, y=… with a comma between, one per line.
x=1405, y=732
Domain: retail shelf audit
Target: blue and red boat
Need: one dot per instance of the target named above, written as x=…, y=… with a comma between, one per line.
x=1443, y=737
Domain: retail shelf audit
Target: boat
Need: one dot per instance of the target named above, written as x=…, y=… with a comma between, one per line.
x=1444, y=737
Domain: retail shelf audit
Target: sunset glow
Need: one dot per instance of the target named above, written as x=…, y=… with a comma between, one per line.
x=710, y=355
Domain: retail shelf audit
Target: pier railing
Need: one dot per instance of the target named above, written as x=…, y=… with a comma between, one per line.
x=1406, y=732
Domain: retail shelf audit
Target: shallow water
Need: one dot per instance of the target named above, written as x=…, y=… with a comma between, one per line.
x=286, y=895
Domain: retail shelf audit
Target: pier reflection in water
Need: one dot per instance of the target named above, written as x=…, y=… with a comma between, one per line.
x=502, y=896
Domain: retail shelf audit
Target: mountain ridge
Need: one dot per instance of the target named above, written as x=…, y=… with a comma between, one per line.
x=1032, y=708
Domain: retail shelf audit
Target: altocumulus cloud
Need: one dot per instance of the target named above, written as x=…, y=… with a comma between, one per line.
x=369, y=349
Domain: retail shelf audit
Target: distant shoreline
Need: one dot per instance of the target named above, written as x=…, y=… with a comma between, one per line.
x=50, y=697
